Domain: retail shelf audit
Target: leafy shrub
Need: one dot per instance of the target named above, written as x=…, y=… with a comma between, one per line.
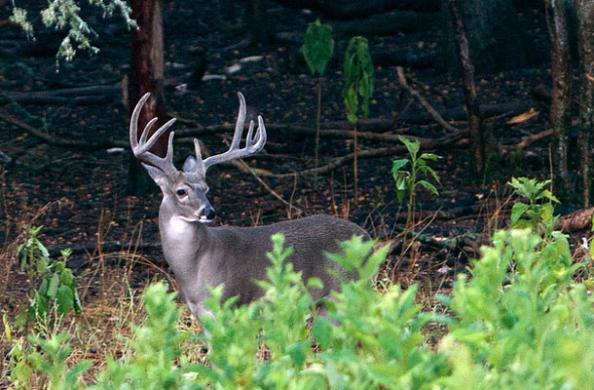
x=536, y=208
x=531, y=328
x=521, y=321
x=56, y=284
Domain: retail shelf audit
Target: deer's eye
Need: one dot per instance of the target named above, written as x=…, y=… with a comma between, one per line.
x=181, y=192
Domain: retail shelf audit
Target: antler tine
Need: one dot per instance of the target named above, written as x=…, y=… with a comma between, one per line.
x=141, y=148
x=198, y=154
x=248, y=139
x=253, y=143
x=240, y=123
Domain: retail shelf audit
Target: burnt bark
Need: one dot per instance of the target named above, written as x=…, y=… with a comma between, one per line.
x=147, y=74
x=493, y=34
x=585, y=13
x=561, y=101
x=257, y=23
x=477, y=138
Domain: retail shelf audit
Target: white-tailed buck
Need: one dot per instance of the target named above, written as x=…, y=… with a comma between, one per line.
x=203, y=256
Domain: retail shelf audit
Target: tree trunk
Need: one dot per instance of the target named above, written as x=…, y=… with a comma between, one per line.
x=477, y=138
x=147, y=73
x=560, y=116
x=493, y=34
x=257, y=23
x=585, y=13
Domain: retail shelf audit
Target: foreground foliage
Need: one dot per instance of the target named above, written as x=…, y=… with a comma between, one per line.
x=519, y=321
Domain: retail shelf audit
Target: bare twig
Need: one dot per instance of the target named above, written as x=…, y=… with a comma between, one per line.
x=423, y=102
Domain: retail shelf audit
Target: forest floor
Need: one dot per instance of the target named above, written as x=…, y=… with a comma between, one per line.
x=115, y=236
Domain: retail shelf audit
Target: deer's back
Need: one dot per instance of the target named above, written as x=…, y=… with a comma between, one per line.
x=310, y=237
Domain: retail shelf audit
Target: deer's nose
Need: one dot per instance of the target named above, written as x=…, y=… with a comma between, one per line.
x=208, y=213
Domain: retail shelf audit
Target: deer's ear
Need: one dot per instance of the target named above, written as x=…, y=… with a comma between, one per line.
x=190, y=165
x=158, y=176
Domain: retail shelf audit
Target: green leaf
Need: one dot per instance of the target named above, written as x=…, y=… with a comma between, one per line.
x=430, y=156
x=398, y=164
x=518, y=210
x=297, y=353
x=322, y=331
x=412, y=146
x=54, y=283
x=318, y=46
x=428, y=186
x=359, y=78
x=65, y=299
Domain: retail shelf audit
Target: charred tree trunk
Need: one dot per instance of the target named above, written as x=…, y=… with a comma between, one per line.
x=477, y=138
x=560, y=116
x=493, y=35
x=147, y=73
x=256, y=22
x=585, y=13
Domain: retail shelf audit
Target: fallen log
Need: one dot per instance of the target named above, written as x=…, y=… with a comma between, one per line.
x=577, y=221
x=355, y=9
x=387, y=24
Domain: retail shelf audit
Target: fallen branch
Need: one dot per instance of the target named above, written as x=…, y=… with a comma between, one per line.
x=293, y=130
x=63, y=142
x=67, y=96
x=424, y=103
x=532, y=138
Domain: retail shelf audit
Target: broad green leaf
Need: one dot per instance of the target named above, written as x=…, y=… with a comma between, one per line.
x=322, y=331
x=318, y=46
x=518, y=210
x=65, y=299
x=398, y=164
x=428, y=186
x=54, y=283
x=412, y=146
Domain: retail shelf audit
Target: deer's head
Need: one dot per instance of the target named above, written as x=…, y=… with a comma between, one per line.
x=187, y=189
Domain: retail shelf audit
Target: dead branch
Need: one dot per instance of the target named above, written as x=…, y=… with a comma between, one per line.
x=423, y=102
x=532, y=138
x=67, y=96
x=63, y=142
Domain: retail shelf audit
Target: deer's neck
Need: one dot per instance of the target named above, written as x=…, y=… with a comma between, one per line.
x=183, y=243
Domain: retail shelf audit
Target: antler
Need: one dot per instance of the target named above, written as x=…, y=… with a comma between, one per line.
x=141, y=148
x=253, y=142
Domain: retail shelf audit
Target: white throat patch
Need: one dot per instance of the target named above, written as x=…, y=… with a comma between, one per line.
x=177, y=227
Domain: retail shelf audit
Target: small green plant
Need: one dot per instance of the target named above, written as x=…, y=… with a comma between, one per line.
x=537, y=210
x=359, y=79
x=406, y=181
x=318, y=47
x=156, y=347
x=55, y=284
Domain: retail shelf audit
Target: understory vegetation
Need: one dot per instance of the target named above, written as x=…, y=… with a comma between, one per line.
x=522, y=317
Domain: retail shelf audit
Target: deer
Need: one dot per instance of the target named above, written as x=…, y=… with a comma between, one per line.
x=202, y=256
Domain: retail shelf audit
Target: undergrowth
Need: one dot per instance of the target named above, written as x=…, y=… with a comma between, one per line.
x=519, y=321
